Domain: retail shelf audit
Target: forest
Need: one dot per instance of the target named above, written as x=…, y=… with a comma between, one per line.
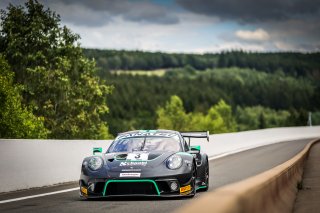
x=291, y=63
x=51, y=87
x=257, y=99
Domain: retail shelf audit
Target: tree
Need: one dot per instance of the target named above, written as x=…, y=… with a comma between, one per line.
x=225, y=111
x=16, y=121
x=262, y=121
x=218, y=119
x=60, y=84
x=258, y=117
x=173, y=115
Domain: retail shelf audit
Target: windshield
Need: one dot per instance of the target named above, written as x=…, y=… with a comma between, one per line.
x=146, y=143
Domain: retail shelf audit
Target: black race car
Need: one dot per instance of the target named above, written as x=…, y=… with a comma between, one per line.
x=146, y=163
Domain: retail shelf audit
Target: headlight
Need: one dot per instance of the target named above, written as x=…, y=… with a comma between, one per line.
x=174, y=162
x=95, y=163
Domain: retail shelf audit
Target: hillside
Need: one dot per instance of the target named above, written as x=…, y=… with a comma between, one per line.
x=291, y=63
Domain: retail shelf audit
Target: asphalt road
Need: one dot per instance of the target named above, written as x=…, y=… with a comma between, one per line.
x=223, y=171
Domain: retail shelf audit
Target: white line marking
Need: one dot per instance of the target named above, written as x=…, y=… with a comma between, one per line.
x=39, y=195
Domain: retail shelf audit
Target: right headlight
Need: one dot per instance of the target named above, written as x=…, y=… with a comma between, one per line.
x=95, y=163
x=174, y=162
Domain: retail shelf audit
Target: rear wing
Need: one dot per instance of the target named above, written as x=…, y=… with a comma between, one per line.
x=195, y=134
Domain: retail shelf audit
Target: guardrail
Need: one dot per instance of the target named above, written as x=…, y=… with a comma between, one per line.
x=271, y=191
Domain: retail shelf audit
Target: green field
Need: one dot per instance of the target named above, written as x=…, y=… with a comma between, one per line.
x=158, y=72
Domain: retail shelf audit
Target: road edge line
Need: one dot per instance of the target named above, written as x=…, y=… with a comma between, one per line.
x=38, y=195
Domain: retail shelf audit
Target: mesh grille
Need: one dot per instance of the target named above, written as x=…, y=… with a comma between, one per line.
x=131, y=188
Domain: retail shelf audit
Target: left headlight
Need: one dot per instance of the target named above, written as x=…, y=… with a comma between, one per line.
x=95, y=163
x=174, y=162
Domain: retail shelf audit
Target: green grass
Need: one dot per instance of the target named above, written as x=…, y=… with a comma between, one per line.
x=158, y=72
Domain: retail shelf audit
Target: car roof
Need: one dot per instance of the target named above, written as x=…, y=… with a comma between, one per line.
x=145, y=132
x=148, y=131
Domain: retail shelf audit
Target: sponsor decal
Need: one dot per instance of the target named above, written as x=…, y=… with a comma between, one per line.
x=185, y=189
x=131, y=170
x=130, y=174
x=137, y=134
x=84, y=190
x=137, y=156
x=129, y=163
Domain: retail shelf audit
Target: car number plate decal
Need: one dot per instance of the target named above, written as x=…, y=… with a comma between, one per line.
x=130, y=174
x=138, y=156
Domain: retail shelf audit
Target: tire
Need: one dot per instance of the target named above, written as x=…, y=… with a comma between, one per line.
x=207, y=177
x=194, y=177
x=82, y=197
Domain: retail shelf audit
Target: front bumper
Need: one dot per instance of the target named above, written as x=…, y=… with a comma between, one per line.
x=158, y=187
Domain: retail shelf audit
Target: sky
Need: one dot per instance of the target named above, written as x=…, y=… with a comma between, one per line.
x=191, y=26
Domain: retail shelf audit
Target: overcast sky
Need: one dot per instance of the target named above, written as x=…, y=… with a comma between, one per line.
x=192, y=25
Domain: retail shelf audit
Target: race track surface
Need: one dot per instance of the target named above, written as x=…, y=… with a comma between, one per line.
x=223, y=171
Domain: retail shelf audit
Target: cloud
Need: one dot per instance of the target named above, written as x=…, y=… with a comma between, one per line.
x=93, y=13
x=121, y=34
x=203, y=25
x=285, y=24
x=83, y=16
x=301, y=47
x=252, y=11
x=99, y=12
x=256, y=35
x=283, y=46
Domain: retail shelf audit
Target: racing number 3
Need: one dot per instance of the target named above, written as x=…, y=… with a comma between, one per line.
x=137, y=156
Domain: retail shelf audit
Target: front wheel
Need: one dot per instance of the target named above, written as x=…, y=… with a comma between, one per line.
x=193, y=182
x=207, y=177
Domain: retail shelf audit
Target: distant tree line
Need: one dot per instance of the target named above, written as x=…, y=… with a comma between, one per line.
x=296, y=64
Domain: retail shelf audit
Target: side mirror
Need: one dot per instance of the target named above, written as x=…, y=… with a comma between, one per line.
x=194, y=150
x=97, y=150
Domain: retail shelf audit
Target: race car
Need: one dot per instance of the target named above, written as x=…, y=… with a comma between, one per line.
x=146, y=163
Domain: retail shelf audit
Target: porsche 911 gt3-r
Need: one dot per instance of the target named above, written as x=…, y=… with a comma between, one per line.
x=146, y=163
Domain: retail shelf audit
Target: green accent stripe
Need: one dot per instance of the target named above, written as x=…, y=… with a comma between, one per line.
x=201, y=187
x=130, y=181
